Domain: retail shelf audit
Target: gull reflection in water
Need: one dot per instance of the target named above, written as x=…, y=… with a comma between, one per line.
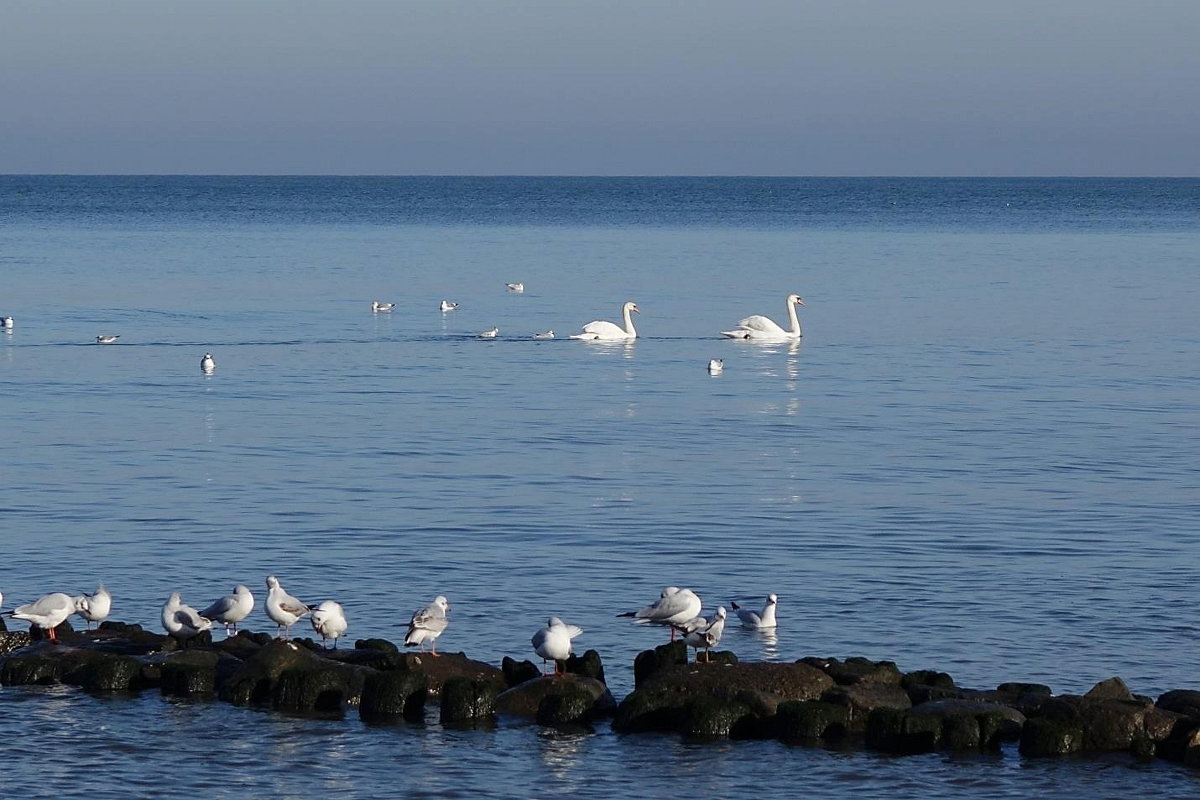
x=561, y=751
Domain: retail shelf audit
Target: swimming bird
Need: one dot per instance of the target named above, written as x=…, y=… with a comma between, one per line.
x=107, y=338
x=492, y=334
x=716, y=366
x=378, y=306
x=758, y=619
x=329, y=620
x=47, y=612
x=207, y=363
x=553, y=642
x=515, y=287
x=427, y=624
x=448, y=306
x=231, y=609
x=283, y=609
x=94, y=607
x=700, y=632
x=182, y=622
x=6, y=323
x=603, y=330
x=760, y=327
x=673, y=606
x=545, y=335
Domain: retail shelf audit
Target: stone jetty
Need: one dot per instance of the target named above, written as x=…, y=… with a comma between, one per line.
x=814, y=701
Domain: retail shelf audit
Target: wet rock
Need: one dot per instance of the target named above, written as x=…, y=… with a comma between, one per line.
x=570, y=705
x=650, y=709
x=3, y=626
x=314, y=688
x=189, y=674
x=1047, y=736
x=1108, y=725
x=898, y=731
x=708, y=717
x=468, y=702
x=394, y=694
x=444, y=666
x=860, y=699
x=200, y=641
x=379, y=645
x=649, y=662
x=1024, y=697
x=1181, y=701
x=38, y=664
x=971, y=724
x=809, y=720
x=517, y=672
x=253, y=682
x=524, y=700
x=1110, y=689
x=924, y=685
x=13, y=640
x=587, y=665
x=856, y=670
x=106, y=672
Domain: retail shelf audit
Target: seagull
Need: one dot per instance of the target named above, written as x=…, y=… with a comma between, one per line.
x=207, y=364
x=47, y=612
x=329, y=620
x=515, y=287
x=546, y=335
x=553, y=642
x=448, y=306
x=378, y=306
x=428, y=624
x=231, y=609
x=674, y=605
x=107, y=338
x=283, y=609
x=716, y=366
x=700, y=632
x=7, y=323
x=492, y=334
x=756, y=619
x=182, y=622
x=94, y=607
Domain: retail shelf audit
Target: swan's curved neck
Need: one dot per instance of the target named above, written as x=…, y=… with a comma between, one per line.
x=796, y=331
x=629, y=322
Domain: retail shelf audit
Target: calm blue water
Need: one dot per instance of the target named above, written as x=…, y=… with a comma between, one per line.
x=983, y=458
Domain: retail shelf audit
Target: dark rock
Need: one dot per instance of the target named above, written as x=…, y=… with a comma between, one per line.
x=468, y=702
x=961, y=732
x=64, y=632
x=809, y=720
x=996, y=722
x=3, y=626
x=572, y=706
x=898, y=731
x=856, y=670
x=106, y=672
x=189, y=674
x=201, y=641
x=517, y=672
x=380, y=645
x=708, y=717
x=524, y=700
x=394, y=694
x=1024, y=697
x=444, y=666
x=650, y=709
x=313, y=688
x=1110, y=689
x=254, y=681
x=1181, y=701
x=587, y=665
x=925, y=685
x=860, y=699
x=649, y=662
x=1047, y=736
x=38, y=664
x=13, y=640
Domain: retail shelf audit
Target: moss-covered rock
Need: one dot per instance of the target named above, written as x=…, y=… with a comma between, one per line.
x=708, y=717
x=517, y=672
x=861, y=698
x=106, y=672
x=253, y=682
x=856, y=670
x=313, y=688
x=525, y=699
x=587, y=665
x=811, y=720
x=392, y=695
x=924, y=685
x=35, y=665
x=649, y=662
x=1047, y=736
x=570, y=706
x=468, y=702
x=189, y=674
x=1181, y=701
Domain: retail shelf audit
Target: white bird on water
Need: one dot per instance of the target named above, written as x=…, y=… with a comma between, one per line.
x=700, y=632
x=107, y=338
x=377, y=306
x=231, y=609
x=6, y=323
x=716, y=366
x=515, y=287
x=329, y=620
x=94, y=607
x=674, y=606
x=603, y=330
x=491, y=334
x=544, y=335
x=760, y=327
x=182, y=622
x=207, y=363
x=758, y=619
x=553, y=642
x=427, y=624
x=448, y=306
x=283, y=609
x=47, y=612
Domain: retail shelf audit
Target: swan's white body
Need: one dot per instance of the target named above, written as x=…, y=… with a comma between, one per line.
x=378, y=306
x=700, y=632
x=448, y=306
x=603, y=330
x=760, y=327
x=553, y=642
x=428, y=623
x=758, y=619
x=208, y=363
x=329, y=620
x=47, y=612
x=231, y=609
x=181, y=621
x=107, y=338
x=94, y=607
x=283, y=609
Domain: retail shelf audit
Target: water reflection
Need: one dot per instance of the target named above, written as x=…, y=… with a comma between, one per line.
x=561, y=751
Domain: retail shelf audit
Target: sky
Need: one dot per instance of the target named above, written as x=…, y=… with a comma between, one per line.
x=601, y=87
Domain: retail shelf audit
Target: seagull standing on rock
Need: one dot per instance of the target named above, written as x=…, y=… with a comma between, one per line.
x=329, y=620
x=427, y=624
x=182, y=622
x=674, y=606
x=94, y=607
x=47, y=612
x=700, y=632
x=283, y=609
x=231, y=609
x=553, y=642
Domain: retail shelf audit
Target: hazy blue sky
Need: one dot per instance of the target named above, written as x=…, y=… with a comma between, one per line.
x=597, y=87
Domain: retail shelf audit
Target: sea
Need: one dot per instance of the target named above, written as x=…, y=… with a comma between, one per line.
x=983, y=456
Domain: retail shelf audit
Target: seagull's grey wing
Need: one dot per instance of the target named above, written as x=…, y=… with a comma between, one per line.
x=220, y=608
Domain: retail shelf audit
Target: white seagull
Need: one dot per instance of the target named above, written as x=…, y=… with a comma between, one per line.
x=716, y=366
x=492, y=334
x=758, y=619
x=760, y=327
x=427, y=624
x=603, y=330
x=47, y=612
x=94, y=607
x=329, y=620
x=231, y=609
x=107, y=338
x=6, y=323
x=207, y=364
x=448, y=306
x=515, y=287
x=700, y=632
x=378, y=306
x=546, y=335
x=283, y=609
x=182, y=622
x=674, y=606
x=553, y=642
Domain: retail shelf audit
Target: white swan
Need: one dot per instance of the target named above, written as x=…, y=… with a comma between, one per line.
x=609, y=331
x=760, y=327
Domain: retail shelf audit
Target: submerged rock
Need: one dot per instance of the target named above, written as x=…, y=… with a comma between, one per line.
x=810, y=720
x=468, y=701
